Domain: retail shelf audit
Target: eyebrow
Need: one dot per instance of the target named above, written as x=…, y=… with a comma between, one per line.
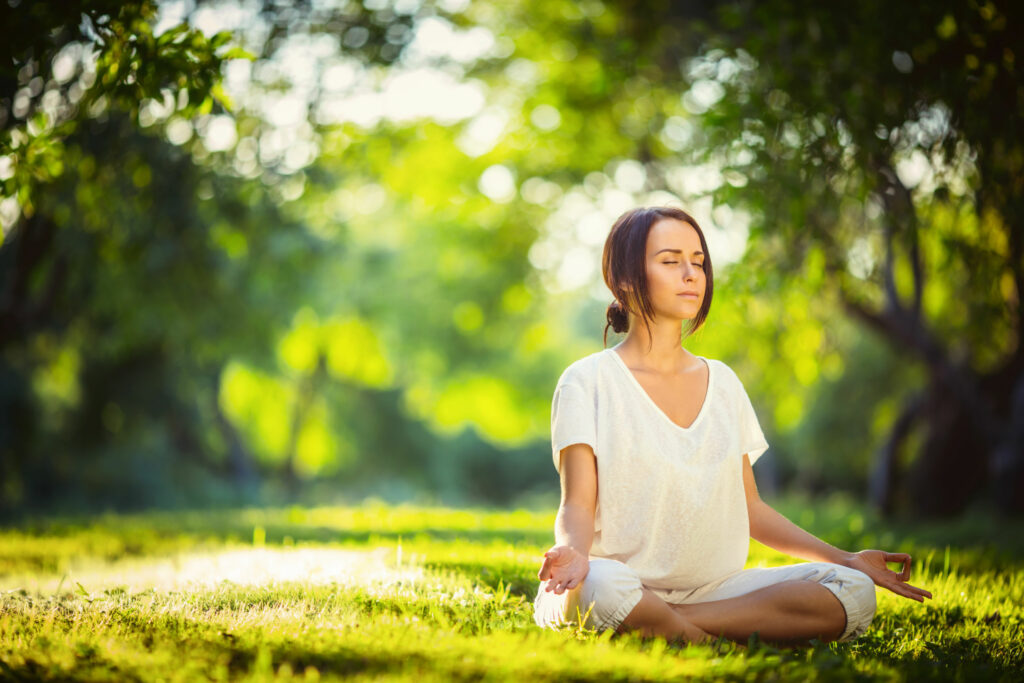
x=680, y=251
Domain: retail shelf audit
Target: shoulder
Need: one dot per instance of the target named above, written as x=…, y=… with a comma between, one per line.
x=582, y=372
x=731, y=386
x=724, y=373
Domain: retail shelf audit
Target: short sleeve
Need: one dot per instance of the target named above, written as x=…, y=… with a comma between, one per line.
x=573, y=419
x=752, y=441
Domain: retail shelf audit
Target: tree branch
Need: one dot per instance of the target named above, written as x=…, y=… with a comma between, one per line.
x=899, y=210
x=909, y=334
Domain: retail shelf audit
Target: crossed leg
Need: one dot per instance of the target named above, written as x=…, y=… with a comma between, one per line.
x=786, y=612
x=652, y=616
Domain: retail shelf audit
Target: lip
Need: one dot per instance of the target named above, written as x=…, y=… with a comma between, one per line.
x=693, y=294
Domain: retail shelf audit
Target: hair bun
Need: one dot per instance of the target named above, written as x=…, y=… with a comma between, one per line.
x=617, y=317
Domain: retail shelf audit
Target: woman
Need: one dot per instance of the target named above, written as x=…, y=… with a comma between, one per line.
x=654, y=446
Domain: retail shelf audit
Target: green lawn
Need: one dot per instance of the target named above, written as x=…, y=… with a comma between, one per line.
x=413, y=593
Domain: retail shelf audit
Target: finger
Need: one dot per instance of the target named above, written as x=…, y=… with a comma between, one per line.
x=904, y=559
x=545, y=570
x=919, y=591
x=904, y=572
x=899, y=589
x=894, y=586
x=923, y=594
x=895, y=577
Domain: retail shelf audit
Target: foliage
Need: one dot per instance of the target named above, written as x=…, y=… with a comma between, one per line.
x=219, y=288
x=872, y=150
x=881, y=142
x=51, y=84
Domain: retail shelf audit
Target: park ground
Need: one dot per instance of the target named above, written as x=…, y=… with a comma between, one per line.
x=383, y=592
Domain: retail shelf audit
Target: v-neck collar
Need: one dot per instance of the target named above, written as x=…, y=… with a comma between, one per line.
x=703, y=406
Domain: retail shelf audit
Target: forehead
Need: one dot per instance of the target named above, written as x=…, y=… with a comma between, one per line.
x=671, y=233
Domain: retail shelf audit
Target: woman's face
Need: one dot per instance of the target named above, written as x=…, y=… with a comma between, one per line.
x=675, y=269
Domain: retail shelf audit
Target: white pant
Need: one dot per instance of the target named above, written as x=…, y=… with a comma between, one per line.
x=611, y=590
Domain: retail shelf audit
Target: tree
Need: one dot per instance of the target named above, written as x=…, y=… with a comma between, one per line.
x=887, y=138
x=64, y=65
x=297, y=297
x=166, y=277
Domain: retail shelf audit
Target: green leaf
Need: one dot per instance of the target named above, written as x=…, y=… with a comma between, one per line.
x=238, y=52
x=218, y=93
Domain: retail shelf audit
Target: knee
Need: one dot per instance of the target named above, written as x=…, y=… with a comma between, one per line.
x=607, y=594
x=850, y=582
x=862, y=588
x=857, y=591
x=602, y=578
x=594, y=602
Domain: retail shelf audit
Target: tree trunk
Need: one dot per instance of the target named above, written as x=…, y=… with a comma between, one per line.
x=1006, y=464
x=951, y=468
x=961, y=455
x=965, y=414
x=886, y=477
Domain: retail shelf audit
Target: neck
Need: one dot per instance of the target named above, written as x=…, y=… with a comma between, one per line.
x=659, y=350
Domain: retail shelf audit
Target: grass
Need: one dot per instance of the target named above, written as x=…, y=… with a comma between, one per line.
x=422, y=594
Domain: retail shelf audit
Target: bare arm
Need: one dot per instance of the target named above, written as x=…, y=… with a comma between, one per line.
x=574, y=525
x=771, y=528
x=567, y=563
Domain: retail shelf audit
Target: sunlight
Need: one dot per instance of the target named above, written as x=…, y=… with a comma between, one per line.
x=414, y=89
x=242, y=566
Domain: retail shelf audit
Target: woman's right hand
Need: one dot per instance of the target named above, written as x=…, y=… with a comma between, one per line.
x=564, y=568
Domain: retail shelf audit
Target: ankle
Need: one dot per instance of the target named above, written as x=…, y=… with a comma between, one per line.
x=698, y=635
x=691, y=633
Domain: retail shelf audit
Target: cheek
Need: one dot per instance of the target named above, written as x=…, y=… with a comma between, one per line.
x=668, y=282
x=656, y=278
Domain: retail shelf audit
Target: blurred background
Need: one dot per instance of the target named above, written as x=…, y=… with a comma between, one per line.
x=261, y=252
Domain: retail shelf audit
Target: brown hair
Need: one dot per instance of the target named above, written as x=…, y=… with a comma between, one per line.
x=625, y=263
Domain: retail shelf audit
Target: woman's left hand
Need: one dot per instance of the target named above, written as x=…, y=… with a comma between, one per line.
x=873, y=563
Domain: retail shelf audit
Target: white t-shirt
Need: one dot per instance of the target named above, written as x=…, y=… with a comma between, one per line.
x=670, y=500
